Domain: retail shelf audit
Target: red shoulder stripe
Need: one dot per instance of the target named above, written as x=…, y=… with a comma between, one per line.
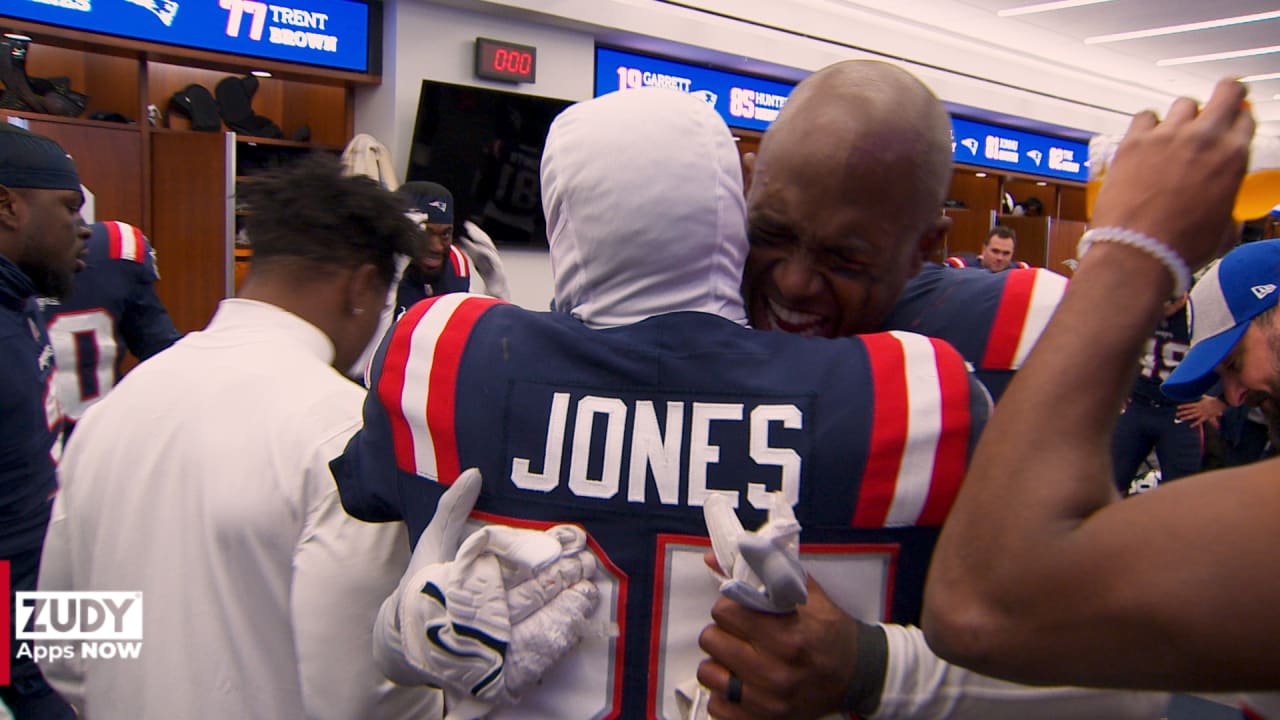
x=953, y=443
x=1011, y=317
x=888, y=432
x=461, y=263
x=391, y=383
x=442, y=400
x=125, y=242
x=418, y=382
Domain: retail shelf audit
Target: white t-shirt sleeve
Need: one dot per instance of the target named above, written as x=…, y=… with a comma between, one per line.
x=918, y=684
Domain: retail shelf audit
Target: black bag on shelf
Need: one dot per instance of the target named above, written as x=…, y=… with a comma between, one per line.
x=195, y=102
x=51, y=96
x=235, y=105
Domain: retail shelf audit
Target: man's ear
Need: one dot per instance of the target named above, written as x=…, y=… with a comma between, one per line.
x=932, y=241
x=366, y=289
x=11, y=208
x=748, y=169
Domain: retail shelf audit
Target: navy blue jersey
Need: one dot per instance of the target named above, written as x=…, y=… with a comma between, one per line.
x=113, y=306
x=993, y=319
x=1164, y=350
x=626, y=431
x=1149, y=421
x=455, y=276
x=969, y=260
x=30, y=419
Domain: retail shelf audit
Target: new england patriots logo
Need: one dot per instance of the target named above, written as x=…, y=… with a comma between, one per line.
x=1036, y=156
x=440, y=205
x=705, y=96
x=166, y=10
x=971, y=144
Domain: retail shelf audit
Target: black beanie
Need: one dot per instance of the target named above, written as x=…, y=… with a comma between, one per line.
x=28, y=160
x=431, y=199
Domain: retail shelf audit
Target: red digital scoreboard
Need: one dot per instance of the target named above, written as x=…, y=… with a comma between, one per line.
x=504, y=61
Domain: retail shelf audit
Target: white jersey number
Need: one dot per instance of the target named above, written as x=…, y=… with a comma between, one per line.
x=72, y=335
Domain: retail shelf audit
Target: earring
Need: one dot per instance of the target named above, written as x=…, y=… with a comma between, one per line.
x=357, y=311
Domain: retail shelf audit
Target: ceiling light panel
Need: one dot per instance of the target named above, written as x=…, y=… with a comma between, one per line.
x=1044, y=7
x=1183, y=28
x=1219, y=56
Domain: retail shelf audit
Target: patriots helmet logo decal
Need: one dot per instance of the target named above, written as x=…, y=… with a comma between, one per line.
x=166, y=10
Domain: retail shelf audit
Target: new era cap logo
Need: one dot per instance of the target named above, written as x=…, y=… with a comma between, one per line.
x=1261, y=291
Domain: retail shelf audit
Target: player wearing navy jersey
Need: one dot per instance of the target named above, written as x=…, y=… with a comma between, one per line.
x=41, y=241
x=1149, y=421
x=968, y=260
x=645, y=394
x=993, y=319
x=843, y=205
x=112, y=308
x=964, y=260
x=442, y=267
x=838, y=250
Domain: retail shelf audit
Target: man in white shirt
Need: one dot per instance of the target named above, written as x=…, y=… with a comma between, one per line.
x=203, y=481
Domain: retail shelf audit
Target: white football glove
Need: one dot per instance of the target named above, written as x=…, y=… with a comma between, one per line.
x=484, y=256
x=761, y=569
x=486, y=625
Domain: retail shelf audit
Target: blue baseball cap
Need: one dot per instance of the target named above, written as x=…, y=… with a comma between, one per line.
x=1223, y=302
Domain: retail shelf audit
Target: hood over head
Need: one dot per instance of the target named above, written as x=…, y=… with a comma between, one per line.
x=642, y=191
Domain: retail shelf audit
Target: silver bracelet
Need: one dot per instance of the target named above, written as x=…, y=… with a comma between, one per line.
x=1166, y=255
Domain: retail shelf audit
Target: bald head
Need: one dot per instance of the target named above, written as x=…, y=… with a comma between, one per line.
x=845, y=199
x=863, y=117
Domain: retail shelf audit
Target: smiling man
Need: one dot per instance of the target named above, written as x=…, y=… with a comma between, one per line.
x=442, y=267
x=844, y=202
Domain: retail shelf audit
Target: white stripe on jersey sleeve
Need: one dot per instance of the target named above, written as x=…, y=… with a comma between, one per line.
x=130, y=241
x=417, y=388
x=1046, y=293
x=924, y=424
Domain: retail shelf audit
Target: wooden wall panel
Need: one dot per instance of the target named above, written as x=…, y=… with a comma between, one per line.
x=320, y=107
x=109, y=159
x=1071, y=204
x=981, y=197
x=110, y=81
x=189, y=224
x=1063, y=236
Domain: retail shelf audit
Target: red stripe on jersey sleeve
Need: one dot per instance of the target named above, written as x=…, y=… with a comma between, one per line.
x=955, y=262
x=1250, y=714
x=888, y=430
x=952, y=455
x=442, y=399
x=1010, y=319
x=115, y=242
x=395, y=366
x=461, y=267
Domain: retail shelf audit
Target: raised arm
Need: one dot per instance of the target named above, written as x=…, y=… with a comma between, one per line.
x=1041, y=574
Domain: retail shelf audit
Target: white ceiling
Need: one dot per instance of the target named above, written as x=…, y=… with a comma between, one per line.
x=1034, y=70
x=1058, y=37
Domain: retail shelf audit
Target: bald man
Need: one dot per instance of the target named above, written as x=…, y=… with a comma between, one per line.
x=845, y=203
